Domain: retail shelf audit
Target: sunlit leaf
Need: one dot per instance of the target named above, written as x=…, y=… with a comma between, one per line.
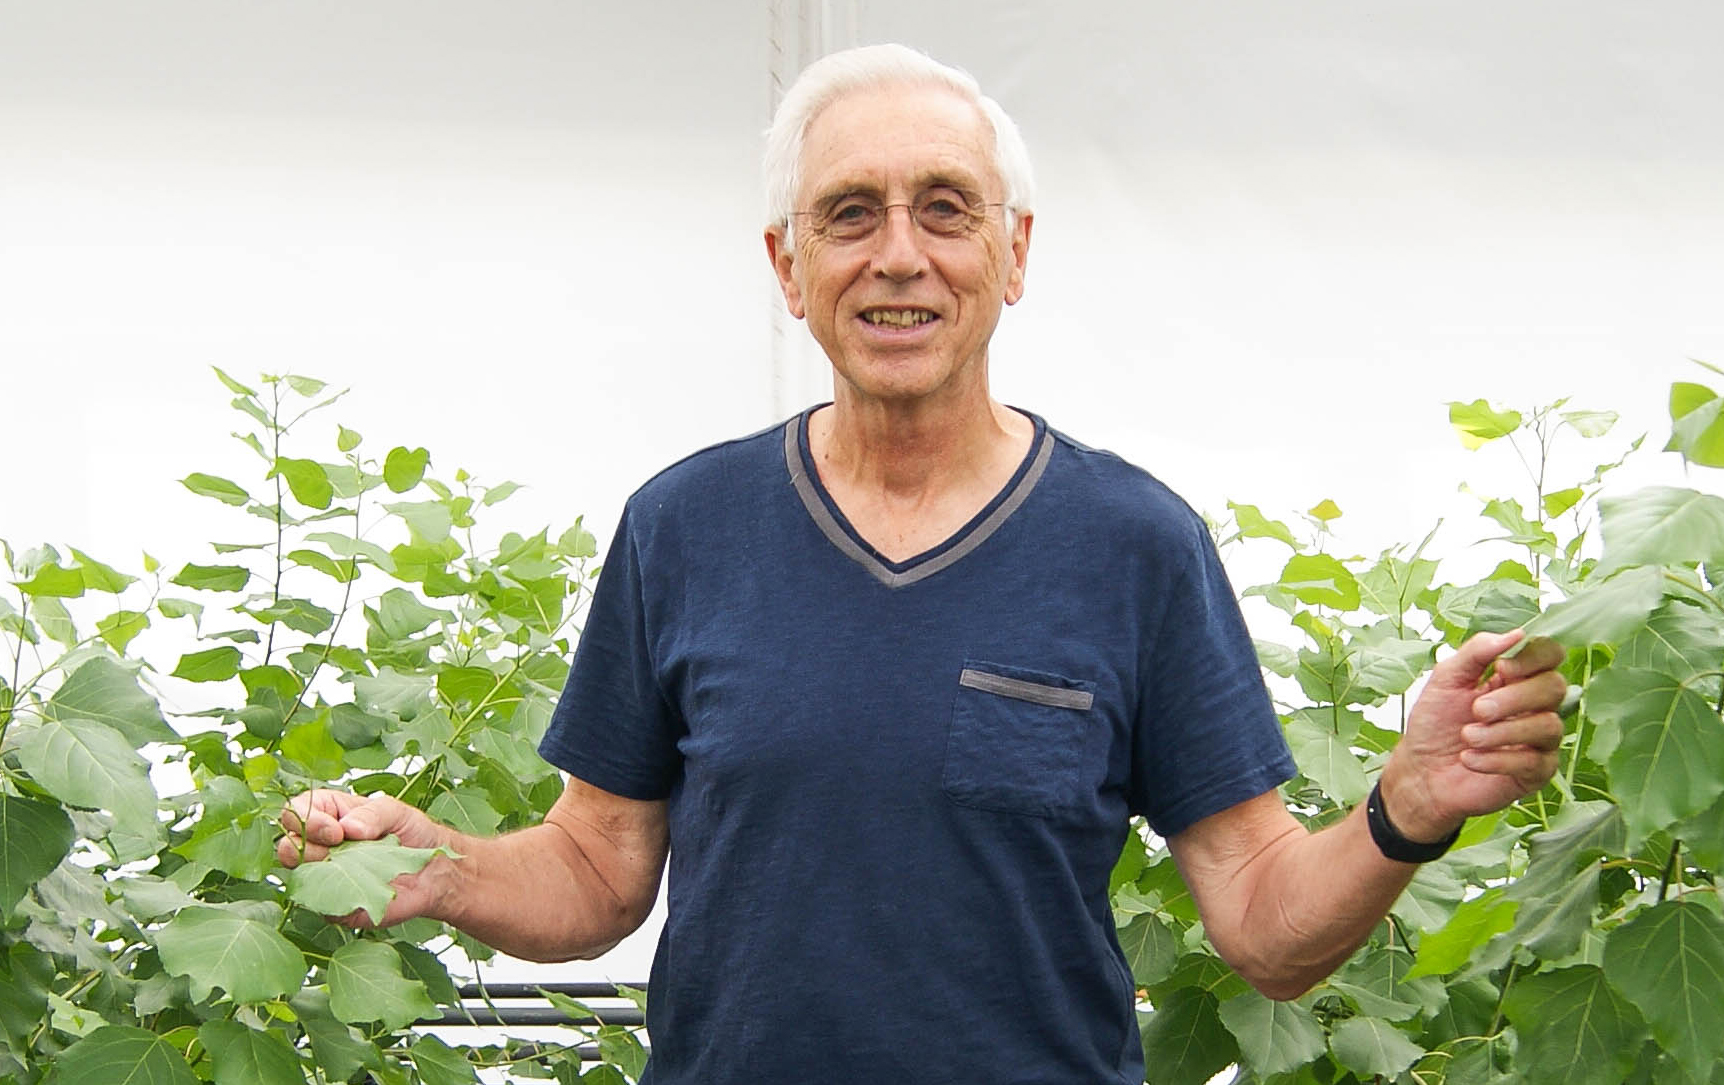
x=430, y=521
x=1392, y=666
x=440, y=1064
x=1697, y=424
x=119, y=628
x=1324, y=510
x=366, y=984
x=1560, y=501
x=1574, y=1030
x=1252, y=524
x=404, y=467
x=466, y=809
x=1324, y=757
x=1320, y=580
x=209, y=665
x=1474, y=923
x=223, y=490
x=212, y=577
x=1591, y=423
x=53, y=581
x=307, y=480
x=249, y=960
x=1477, y=422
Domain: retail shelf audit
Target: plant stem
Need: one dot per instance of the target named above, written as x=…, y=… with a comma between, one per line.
x=1669, y=869
x=275, y=431
x=1497, y=1015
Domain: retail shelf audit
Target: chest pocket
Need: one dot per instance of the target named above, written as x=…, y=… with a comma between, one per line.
x=1017, y=740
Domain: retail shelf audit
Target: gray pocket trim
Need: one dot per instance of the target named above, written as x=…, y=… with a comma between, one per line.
x=1033, y=692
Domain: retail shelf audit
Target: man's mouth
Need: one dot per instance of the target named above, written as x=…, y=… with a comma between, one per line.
x=897, y=318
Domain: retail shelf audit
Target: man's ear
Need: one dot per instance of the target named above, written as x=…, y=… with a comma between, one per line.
x=1020, y=256
x=783, y=256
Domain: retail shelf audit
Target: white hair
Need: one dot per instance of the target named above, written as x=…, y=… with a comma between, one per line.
x=870, y=67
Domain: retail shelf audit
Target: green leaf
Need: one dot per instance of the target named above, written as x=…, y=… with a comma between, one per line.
x=1274, y=1037
x=400, y=614
x=1683, y=642
x=389, y=692
x=1477, y=422
x=228, y=493
x=339, y=1050
x=1661, y=525
x=212, y=577
x=1697, y=422
x=100, y=577
x=53, y=581
x=119, y=628
x=440, y=1064
x=1371, y=1046
x=1590, y=423
x=121, y=1055
x=104, y=691
x=248, y=959
x=1521, y=531
x=356, y=875
x=499, y=492
x=52, y=617
x=466, y=809
x=1325, y=758
x=1474, y=923
x=1600, y=613
x=34, y=837
x=619, y=1047
x=1184, y=1039
x=244, y=1056
x=1376, y=980
x=234, y=835
x=1574, y=1030
x=1252, y=524
x=210, y=665
x=404, y=467
x=1669, y=962
x=577, y=542
x=341, y=572
x=346, y=440
x=1151, y=949
x=429, y=520
x=313, y=748
x=233, y=386
x=1555, y=504
x=307, y=480
x=1324, y=511
x=353, y=727
x=1320, y=580
x=1665, y=745
x=89, y=764
x=1392, y=666
x=366, y=984
x=305, y=386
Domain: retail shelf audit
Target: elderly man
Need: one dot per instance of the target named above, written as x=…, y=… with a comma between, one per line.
x=887, y=681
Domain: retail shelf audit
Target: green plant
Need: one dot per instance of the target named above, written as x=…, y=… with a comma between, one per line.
x=356, y=633
x=1575, y=937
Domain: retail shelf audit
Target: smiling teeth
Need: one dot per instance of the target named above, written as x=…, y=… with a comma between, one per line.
x=898, y=318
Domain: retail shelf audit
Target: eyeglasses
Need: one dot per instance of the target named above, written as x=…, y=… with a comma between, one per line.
x=939, y=212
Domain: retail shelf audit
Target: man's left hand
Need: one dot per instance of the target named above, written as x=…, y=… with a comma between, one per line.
x=1474, y=744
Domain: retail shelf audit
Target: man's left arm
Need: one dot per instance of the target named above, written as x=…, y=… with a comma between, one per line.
x=1286, y=907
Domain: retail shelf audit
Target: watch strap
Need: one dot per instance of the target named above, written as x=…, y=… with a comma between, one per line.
x=1392, y=844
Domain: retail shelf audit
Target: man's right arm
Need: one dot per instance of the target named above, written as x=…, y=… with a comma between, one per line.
x=572, y=886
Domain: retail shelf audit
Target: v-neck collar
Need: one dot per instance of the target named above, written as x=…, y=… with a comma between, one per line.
x=799, y=461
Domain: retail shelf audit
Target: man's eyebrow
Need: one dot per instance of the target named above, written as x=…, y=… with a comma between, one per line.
x=844, y=189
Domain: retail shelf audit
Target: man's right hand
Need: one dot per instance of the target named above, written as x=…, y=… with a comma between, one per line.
x=315, y=821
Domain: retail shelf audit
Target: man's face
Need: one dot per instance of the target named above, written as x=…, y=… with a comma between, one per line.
x=902, y=313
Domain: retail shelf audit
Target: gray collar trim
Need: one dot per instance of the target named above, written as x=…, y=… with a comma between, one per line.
x=835, y=533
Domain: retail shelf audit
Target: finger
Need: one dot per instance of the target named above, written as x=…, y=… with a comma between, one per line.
x=1473, y=658
x=292, y=850
x=1542, y=692
x=1532, y=769
x=1541, y=732
x=373, y=819
x=1540, y=654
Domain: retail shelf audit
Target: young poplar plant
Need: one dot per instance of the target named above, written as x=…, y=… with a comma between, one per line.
x=356, y=629
x=1575, y=937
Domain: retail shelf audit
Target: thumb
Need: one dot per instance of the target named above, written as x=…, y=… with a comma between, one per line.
x=373, y=819
x=1467, y=667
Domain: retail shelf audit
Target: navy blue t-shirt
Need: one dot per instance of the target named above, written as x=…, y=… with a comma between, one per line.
x=897, y=789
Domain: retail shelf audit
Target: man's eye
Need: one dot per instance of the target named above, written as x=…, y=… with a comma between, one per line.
x=850, y=214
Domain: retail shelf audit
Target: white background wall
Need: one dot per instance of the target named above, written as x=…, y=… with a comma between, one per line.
x=1272, y=238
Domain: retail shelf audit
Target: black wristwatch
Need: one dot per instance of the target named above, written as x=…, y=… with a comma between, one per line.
x=1392, y=844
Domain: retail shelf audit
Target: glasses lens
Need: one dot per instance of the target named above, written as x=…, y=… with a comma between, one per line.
x=944, y=213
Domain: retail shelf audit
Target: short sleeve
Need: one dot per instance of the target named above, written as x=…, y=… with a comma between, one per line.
x=1206, y=735
x=613, y=726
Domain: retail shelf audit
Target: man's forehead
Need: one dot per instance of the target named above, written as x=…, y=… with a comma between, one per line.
x=916, y=136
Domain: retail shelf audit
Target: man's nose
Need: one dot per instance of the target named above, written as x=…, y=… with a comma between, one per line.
x=899, y=253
